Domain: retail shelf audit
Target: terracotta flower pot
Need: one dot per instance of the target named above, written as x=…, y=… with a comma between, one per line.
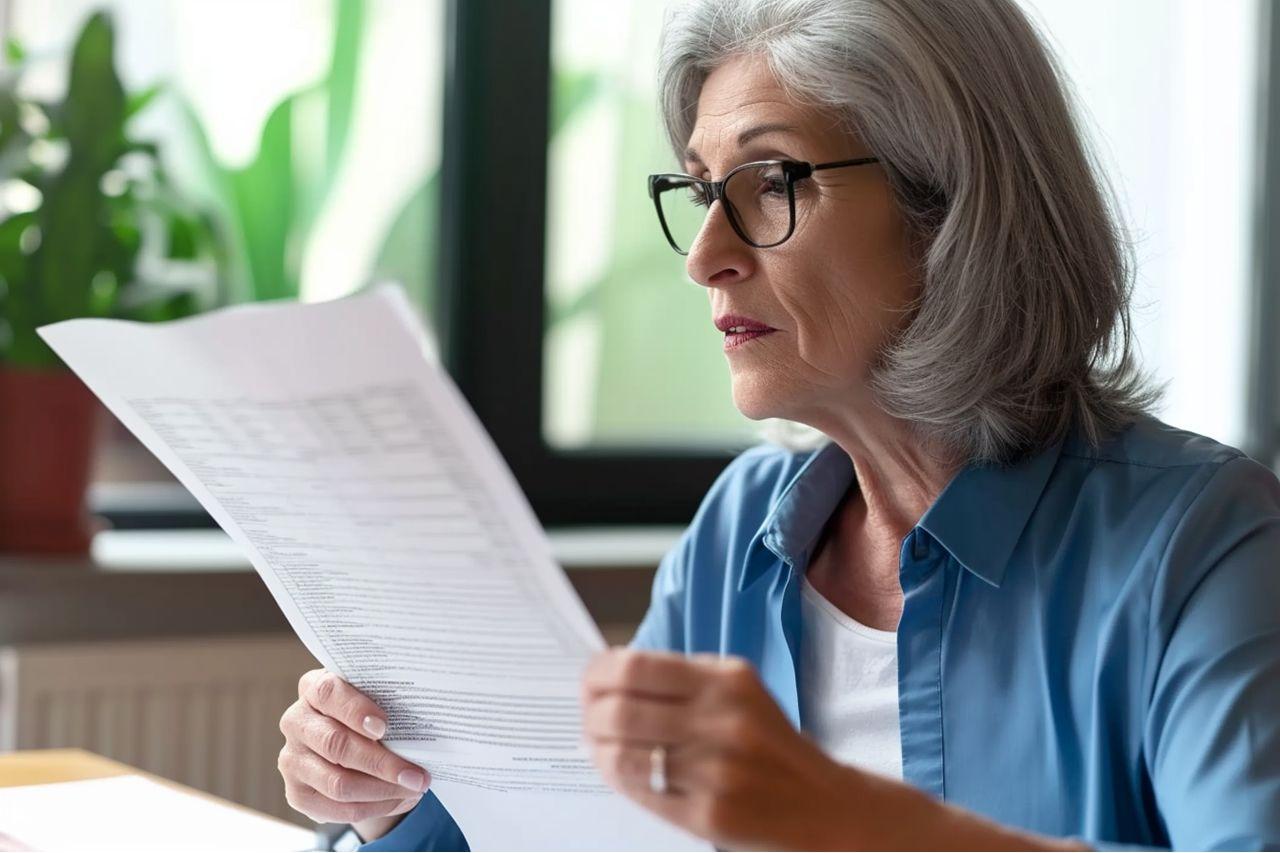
x=49, y=425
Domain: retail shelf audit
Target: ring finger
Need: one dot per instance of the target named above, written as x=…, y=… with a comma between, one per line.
x=627, y=765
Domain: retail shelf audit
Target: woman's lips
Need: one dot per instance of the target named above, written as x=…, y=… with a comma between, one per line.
x=739, y=329
x=737, y=339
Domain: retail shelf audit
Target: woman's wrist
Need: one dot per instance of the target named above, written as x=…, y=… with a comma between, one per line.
x=376, y=827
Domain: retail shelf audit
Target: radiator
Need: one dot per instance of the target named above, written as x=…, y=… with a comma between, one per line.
x=204, y=712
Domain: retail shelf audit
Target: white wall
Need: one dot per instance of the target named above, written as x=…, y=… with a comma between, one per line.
x=1170, y=87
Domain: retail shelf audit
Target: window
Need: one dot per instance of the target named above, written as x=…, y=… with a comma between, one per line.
x=1169, y=93
x=492, y=309
x=1169, y=96
x=495, y=161
x=631, y=356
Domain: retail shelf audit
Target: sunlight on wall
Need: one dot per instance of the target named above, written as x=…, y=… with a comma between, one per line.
x=1170, y=87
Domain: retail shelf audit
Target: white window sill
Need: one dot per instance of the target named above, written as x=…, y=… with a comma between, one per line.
x=212, y=550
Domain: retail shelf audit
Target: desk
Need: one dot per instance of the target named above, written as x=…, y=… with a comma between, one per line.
x=42, y=766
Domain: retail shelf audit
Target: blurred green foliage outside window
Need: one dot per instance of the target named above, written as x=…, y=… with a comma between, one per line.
x=308, y=129
x=631, y=357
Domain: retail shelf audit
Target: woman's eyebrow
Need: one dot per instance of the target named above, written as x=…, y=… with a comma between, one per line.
x=691, y=156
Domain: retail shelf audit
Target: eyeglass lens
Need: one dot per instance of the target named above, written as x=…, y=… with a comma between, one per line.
x=756, y=194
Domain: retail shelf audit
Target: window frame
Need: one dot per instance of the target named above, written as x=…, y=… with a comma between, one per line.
x=1263, y=391
x=490, y=304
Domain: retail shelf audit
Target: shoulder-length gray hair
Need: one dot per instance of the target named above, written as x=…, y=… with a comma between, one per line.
x=1022, y=326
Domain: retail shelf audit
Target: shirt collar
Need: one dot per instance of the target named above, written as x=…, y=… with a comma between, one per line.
x=978, y=517
x=804, y=506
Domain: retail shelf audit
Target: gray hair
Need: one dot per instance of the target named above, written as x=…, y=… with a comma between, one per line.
x=1022, y=324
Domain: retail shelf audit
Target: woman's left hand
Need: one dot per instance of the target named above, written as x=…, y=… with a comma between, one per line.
x=738, y=773
x=741, y=776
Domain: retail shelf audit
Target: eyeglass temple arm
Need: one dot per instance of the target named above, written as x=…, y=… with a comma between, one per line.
x=859, y=161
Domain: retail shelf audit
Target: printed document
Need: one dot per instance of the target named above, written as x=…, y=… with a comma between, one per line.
x=328, y=443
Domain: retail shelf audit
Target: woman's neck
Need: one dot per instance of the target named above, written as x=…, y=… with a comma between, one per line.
x=897, y=479
x=898, y=475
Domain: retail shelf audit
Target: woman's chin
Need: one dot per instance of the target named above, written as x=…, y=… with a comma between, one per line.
x=758, y=401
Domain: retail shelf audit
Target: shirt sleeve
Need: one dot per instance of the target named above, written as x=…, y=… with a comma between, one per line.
x=427, y=827
x=745, y=483
x=1212, y=730
x=662, y=628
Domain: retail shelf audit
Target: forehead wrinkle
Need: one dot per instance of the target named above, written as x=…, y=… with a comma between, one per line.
x=751, y=134
x=763, y=109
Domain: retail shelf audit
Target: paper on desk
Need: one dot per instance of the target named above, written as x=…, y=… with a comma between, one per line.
x=134, y=813
x=362, y=487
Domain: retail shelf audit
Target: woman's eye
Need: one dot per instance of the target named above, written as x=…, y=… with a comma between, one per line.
x=772, y=186
x=698, y=197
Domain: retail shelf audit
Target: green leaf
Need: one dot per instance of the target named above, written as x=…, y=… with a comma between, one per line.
x=53, y=114
x=94, y=112
x=121, y=245
x=86, y=259
x=336, y=95
x=11, y=239
x=152, y=303
x=218, y=189
x=28, y=349
x=71, y=224
x=138, y=101
x=104, y=294
x=264, y=192
x=14, y=52
x=348, y=29
x=269, y=206
x=184, y=237
x=73, y=218
x=138, y=146
x=13, y=270
x=10, y=128
x=23, y=302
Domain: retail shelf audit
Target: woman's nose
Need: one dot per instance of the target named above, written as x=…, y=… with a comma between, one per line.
x=718, y=255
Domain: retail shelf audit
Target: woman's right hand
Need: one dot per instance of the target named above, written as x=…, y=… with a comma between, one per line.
x=334, y=768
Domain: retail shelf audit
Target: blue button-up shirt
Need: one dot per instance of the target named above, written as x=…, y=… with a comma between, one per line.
x=1089, y=643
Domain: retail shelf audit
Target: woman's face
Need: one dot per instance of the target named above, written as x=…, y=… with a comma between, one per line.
x=835, y=292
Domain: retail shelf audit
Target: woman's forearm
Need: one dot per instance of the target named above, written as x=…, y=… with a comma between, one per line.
x=900, y=817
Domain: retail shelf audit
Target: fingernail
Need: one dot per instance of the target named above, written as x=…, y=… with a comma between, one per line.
x=375, y=727
x=414, y=780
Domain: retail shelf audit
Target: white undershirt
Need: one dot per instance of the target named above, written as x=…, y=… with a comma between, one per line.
x=849, y=686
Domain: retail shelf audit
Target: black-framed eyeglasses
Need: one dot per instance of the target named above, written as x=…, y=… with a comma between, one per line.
x=759, y=200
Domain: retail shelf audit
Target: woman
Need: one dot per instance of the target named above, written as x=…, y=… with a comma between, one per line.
x=1002, y=606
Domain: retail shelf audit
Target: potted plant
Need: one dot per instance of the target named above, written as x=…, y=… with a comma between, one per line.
x=89, y=227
